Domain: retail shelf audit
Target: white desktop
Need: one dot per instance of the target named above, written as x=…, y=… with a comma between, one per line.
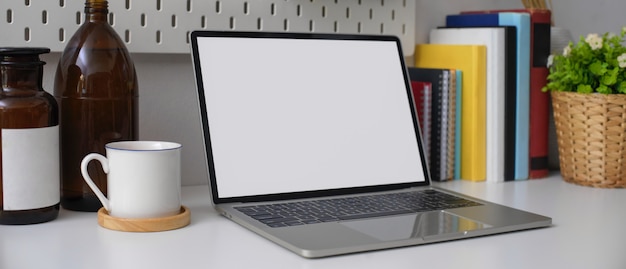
x=588, y=232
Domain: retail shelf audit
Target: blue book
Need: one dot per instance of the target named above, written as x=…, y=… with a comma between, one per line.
x=522, y=23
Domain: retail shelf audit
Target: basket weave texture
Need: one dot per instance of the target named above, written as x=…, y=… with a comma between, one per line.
x=591, y=135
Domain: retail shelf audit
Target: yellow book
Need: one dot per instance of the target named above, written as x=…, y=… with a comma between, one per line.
x=472, y=61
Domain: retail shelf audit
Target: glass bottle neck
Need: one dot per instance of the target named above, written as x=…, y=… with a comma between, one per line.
x=96, y=10
x=21, y=76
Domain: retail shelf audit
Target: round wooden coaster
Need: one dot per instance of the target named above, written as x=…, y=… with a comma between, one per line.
x=145, y=225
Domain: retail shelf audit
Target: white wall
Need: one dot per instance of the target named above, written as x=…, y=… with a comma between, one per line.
x=579, y=16
x=583, y=17
x=431, y=14
x=167, y=104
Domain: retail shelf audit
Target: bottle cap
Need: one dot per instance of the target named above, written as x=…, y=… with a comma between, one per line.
x=22, y=50
x=8, y=55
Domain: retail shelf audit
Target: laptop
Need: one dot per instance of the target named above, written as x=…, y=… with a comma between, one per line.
x=298, y=124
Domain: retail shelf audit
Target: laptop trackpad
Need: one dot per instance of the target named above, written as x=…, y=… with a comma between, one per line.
x=428, y=225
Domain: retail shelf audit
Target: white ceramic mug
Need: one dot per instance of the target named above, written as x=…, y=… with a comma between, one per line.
x=143, y=178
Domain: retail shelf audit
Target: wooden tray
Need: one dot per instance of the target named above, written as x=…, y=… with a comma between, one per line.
x=144, y=225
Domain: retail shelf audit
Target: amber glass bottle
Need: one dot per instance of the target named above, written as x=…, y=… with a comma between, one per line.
x=29, y=136
x=96, y=88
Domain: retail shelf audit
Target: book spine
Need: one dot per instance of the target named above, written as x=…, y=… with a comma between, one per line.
x=451, y=125
x=510, y=106
x=443, y=138
x=473, y=138
x=435, y=131
x=457, y=127
x=522, y=22
x=539, y=100
x=421, y=99
x=427, y=121
x=472, y=20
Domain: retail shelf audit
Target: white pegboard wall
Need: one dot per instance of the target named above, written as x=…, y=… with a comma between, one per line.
x=162, y=26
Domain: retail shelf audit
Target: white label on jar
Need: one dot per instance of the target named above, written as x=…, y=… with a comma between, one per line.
x=30, y=168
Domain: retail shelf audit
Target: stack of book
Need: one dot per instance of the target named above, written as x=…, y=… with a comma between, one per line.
x=497, y=127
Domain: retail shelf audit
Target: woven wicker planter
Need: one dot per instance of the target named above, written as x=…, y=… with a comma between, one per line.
x=591, y=134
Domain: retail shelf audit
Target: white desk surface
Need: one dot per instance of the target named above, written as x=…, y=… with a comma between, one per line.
x=589, y=231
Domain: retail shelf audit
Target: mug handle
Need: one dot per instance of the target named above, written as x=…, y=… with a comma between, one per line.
x=105, y=166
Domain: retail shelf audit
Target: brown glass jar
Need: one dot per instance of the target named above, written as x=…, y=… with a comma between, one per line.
x=96, y=88
x=29, y=135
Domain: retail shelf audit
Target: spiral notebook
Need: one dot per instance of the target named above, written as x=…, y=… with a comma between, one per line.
x=296, y=125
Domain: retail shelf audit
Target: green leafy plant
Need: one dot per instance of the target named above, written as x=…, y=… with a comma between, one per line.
x=595, y=64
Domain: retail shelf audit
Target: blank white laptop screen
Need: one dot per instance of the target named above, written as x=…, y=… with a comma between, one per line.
x=298, y=115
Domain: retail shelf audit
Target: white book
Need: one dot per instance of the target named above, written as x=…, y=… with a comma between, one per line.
x=494, y=38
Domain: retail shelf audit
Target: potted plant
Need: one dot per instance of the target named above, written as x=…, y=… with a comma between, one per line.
x=587, y=83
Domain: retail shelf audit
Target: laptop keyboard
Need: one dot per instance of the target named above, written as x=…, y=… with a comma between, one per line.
x=360, y=207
